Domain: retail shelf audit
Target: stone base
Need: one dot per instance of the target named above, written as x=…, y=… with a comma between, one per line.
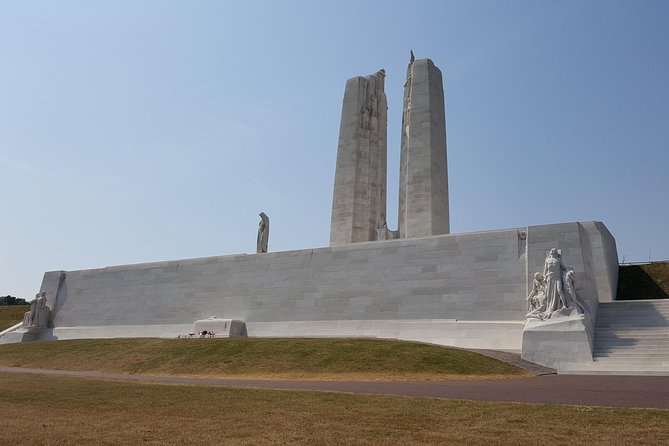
x=491, y=335
x=20, y=335
x=222, y=328
x=558, y=340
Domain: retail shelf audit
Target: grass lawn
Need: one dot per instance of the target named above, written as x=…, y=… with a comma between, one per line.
x=62, y=410
x=260, y=358
x=11, y=315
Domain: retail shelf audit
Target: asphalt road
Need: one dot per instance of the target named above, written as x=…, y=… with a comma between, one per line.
x=585, y=390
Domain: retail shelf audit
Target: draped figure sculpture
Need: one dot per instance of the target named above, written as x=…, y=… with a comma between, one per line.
x=557, y=286
x=263, y=233
x=536, y=301
x=38, y=316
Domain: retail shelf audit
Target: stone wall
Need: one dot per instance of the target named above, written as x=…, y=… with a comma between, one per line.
x=469, y=276
x=461, y=289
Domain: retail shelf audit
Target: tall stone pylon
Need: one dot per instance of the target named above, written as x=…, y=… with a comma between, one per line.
x=423, y=199
x=359, y=199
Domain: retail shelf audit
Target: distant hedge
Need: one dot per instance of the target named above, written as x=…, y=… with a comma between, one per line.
x=11, y=300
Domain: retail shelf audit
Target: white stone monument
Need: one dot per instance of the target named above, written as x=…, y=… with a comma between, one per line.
x=423, y=197
x=359, y=198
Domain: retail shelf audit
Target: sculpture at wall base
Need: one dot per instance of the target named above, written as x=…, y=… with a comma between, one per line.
x=553, y=292
x=263, y=233
x=536, y=300
x=383, y=232
x=39, y=313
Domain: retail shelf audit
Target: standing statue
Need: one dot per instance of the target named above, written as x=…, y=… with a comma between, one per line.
x=29, y=316
x=42, y=311
x=263, y=233
x=553, y=269
x=571, y=297
x=557, y=286
x=382, y=229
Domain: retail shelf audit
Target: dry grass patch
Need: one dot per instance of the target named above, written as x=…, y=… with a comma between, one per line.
x=61, y=410
x=260, y=358
x=11, y=315
x=647, y=281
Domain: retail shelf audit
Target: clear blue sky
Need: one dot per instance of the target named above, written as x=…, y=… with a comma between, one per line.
x=135, y=131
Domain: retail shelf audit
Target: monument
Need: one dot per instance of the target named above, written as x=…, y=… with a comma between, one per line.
x=359, y=198
x=423, y=197
x=529, y=289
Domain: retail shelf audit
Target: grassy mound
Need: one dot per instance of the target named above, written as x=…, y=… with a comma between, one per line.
x=12, y=315
x=648, y=281
x=258, y=358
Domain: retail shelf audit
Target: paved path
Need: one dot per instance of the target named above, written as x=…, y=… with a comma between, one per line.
x=587, y=390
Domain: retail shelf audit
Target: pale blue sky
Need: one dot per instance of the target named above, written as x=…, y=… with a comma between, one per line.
x=135, y=131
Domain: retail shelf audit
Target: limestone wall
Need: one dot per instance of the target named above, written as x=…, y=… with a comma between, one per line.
x=470, y=276
x=460, y=289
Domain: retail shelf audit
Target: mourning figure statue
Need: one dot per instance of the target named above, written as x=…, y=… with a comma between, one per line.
x=263, y=233
x=553, y=291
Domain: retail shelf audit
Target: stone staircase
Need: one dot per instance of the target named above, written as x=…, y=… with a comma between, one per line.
x=631, y=338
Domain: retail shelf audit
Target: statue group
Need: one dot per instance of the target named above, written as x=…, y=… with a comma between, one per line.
x=38, y=316
x=553, y=291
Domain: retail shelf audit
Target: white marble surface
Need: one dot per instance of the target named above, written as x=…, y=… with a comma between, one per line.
x=359, y=197
x=423, y=197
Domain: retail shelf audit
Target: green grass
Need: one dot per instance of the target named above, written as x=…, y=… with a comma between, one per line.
x=61, y=410
x=258, y=358
x=11, y=315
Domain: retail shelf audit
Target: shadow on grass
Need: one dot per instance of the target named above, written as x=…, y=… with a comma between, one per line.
x=649, y=281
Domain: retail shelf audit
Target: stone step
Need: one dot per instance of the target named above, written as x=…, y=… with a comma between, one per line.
x=631, y=338
x=626, y=337
x=623, y=337
x=634, y=347
x=655, y=316
x=637, y=346
x=606, y=368
x=641, y=357
x=628, y=361
x=633, y=343
x=632, y=311
x=636, y=302
x=649, y=321
x=628, y=327
x=633, y=332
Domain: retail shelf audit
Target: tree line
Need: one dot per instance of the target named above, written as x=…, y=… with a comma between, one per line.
x=11, y=300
